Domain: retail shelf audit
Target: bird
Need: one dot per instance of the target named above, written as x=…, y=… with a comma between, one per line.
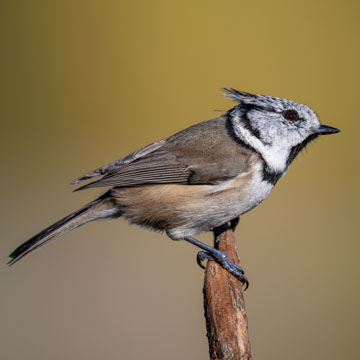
x=200, y=178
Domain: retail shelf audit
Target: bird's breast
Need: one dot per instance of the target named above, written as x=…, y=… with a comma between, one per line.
x=242, y=193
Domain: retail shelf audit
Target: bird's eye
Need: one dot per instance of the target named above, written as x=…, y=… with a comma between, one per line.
x=291, y=115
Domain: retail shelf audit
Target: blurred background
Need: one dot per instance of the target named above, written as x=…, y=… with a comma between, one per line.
x=86, y=82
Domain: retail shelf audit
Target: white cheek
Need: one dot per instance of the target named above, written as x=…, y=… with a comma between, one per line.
x=276, y=152
x=275, y=155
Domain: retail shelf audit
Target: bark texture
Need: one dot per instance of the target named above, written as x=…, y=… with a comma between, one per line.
x=226, y=320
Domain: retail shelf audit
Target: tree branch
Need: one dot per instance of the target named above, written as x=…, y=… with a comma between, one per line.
x=226, y=320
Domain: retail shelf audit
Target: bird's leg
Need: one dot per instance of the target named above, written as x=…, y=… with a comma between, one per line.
x=234, y=223
x=231, y=225
x=221, y=229
x=219, y=256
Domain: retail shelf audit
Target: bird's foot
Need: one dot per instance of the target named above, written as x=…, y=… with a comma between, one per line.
x=221, y=258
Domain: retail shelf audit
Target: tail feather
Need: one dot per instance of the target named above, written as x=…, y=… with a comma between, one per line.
x=103, y=207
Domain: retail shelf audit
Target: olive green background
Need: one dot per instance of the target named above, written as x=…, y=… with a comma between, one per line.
x=85, y=82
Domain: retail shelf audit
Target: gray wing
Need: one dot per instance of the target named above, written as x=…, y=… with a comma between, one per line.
x=204, y=153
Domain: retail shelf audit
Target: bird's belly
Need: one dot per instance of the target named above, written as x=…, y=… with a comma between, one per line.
x=191, y=209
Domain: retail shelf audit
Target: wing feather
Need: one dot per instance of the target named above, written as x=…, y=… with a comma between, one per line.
x=168, y=174
x=118, y=164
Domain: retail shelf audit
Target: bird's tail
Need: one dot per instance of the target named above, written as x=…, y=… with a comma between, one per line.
x=101, y=208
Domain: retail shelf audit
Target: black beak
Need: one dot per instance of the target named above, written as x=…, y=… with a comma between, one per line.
x=326, y=130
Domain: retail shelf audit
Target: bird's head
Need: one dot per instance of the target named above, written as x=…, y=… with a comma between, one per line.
x=278, y=129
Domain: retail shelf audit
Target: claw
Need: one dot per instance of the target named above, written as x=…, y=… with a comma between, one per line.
x=201, y=256
x=245, y=282
x=221, y=258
